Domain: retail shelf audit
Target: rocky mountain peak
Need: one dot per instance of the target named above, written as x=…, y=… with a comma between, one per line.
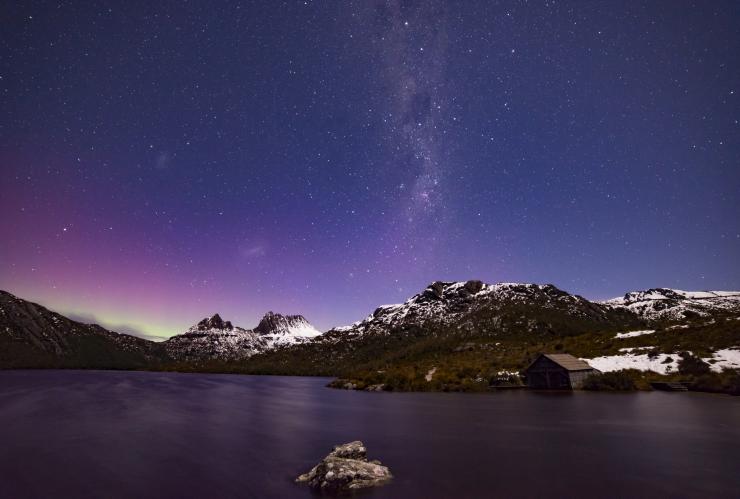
x=652, y=294
x=273, y=323
x=215, y=338
x=443, y=290
x=214, y=322
x=506, y=305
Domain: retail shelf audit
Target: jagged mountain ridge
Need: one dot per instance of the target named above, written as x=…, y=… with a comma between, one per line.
x=34, y=336
x=213, y=338
x=447, y=317
x=444, y=303
x=495, y=322
x=216, y=339
x=675, y=305
x=506, y=307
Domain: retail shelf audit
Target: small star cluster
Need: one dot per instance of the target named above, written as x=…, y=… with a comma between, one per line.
x=164, y=161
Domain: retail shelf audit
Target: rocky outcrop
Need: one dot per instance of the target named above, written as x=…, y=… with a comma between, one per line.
x=285, y=329
x=214, y=322
x=214, y=339
x=675, y=305
x=346, y=468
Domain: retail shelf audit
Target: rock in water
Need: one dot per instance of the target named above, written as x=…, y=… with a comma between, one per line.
x=353, y=450
x=346, y=468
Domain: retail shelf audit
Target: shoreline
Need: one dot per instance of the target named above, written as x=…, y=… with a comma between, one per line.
x=334, y=382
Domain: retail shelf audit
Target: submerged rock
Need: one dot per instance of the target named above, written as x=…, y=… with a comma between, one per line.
x=346, y=468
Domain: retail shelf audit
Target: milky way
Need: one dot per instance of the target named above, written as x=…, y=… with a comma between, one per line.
x=163, y=162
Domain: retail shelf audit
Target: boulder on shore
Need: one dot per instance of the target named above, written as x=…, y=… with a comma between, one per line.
x=346, y=468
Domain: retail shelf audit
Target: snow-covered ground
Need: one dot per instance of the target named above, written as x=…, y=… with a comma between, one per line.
x=727, y=358
x=633, y=334
x=659, y=364
x=679, y=326
x=291, y=335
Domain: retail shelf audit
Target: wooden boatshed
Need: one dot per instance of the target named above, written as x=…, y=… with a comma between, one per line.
x=558, y=371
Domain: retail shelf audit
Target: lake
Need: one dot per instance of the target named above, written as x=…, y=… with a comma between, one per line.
x=153, y=435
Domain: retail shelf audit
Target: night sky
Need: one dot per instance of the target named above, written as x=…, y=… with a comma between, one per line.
x=163, y=161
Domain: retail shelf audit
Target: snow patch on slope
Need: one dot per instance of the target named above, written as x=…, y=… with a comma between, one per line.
x=727, y=358
x=634, y=334
x=662, y=363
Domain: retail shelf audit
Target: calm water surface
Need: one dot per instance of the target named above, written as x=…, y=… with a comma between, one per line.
x=140, y=435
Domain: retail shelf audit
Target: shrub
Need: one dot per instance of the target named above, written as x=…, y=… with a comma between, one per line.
x=728, y=381
x=613, y=381
x=692, y=366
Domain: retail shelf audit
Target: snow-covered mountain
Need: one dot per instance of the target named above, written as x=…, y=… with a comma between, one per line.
x=279, y=329
x=485, y=309
x=454, y=312
x=675, y=304
x=477, y=308
x=213, y=338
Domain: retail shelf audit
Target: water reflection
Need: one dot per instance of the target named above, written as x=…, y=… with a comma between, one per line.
x=124, y=434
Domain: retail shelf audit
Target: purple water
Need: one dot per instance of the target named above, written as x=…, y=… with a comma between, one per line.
x=164, y=435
